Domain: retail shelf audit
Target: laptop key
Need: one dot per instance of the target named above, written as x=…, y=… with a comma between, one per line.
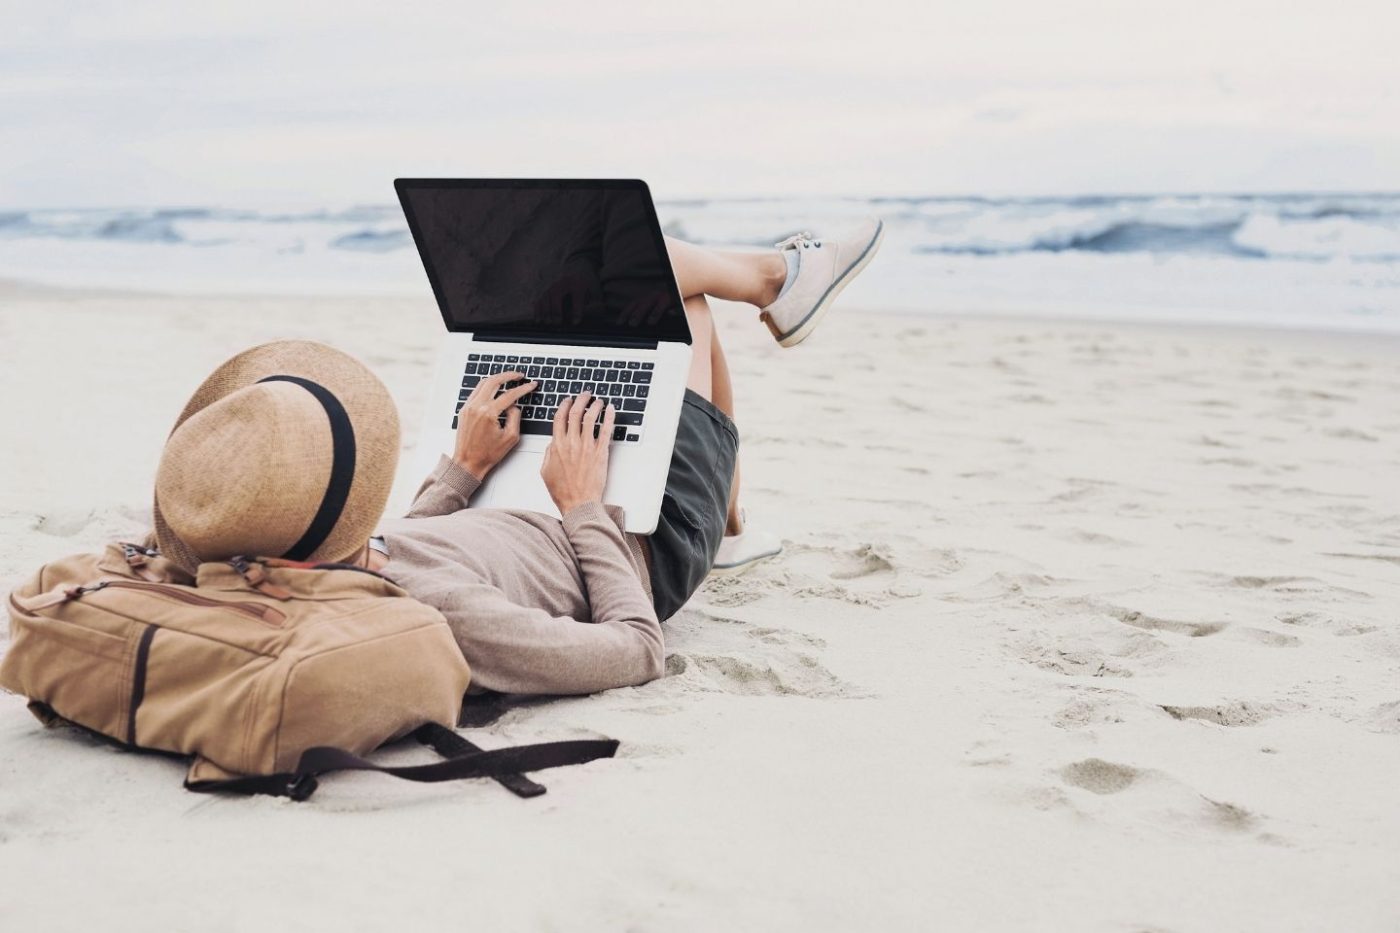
x=473, y=356
x=647, y=365
x=628, y=417
x=642, y=391
x=624, y=376
x=619, y=432
x=633, y=404
x=642, y=377
x=628, y=391
x=536, y=427
x=633, y=364
x=454, y=422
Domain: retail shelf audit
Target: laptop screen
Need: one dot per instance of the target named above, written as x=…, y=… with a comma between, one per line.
x=553, y=259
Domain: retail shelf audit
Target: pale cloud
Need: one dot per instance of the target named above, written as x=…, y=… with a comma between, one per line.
x=260, y=102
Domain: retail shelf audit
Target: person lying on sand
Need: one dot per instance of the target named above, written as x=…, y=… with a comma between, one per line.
x=546, y=605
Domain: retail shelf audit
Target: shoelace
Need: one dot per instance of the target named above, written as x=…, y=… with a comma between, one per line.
x=803, y=240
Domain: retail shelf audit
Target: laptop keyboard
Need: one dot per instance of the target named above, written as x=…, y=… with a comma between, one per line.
x=625, y=384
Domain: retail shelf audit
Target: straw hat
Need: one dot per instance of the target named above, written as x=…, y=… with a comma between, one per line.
x=287, y=450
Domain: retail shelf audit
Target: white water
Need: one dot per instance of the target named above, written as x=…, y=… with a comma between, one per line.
x=1318, y=261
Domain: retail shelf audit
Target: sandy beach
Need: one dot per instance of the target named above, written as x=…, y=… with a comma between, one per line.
x=1079, y=625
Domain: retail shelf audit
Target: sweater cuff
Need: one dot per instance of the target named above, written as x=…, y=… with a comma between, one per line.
x=452, y=475
x=583, y=514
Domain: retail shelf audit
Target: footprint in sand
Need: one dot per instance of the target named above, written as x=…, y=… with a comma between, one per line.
x=714, y=653
x=1081, y=536
x=1387, y=558
x=1097, y=707
x=1385, y=718
x=863, y=561
x=1238, y=713
x=1152, y=624
x=1099, y=776
x=1107, y=778
x=64, y=524
x=1272, y=639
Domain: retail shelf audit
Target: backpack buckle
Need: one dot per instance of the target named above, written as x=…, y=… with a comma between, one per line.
x=256, y=576
x=302, y=786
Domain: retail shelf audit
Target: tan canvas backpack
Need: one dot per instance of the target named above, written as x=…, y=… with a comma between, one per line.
x=267, y=672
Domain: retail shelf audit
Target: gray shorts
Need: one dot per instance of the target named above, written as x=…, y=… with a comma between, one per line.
x=695, y=506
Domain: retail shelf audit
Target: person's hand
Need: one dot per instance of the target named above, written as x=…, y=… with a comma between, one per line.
x=481, y=440
x=575, y=467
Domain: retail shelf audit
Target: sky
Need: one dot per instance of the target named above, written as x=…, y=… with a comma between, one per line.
x=260, y=103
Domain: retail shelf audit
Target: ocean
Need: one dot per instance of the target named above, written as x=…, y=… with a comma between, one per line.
x=1328, y=261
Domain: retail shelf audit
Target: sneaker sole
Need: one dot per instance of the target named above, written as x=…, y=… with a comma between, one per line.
x=809, y=323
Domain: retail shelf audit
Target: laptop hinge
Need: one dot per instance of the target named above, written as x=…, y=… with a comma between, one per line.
x=631, y=343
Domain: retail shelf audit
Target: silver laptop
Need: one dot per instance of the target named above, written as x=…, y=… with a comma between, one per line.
x=569, y=283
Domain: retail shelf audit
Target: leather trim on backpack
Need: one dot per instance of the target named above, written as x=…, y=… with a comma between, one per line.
x=138, y=681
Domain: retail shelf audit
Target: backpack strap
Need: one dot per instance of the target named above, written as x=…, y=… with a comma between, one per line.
x=504, y=764
x=452, y=744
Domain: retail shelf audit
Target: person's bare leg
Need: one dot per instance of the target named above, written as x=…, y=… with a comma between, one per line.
x=723, y=397
x=755, y=278
x=702, y=335
x=709, y=378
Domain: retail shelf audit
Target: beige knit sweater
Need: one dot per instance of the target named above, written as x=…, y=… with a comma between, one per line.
x=538, y=605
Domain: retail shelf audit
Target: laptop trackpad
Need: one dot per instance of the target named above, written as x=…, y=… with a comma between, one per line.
x=516, y=484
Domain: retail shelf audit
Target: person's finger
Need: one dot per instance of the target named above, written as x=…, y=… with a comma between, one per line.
x=487, y=387
x=561, y=416
x=576, y=412
x=590, y=417
x=509, y=397
x=609, y=419
x=513, y=422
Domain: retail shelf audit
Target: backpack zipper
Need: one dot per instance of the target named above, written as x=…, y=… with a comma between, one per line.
x=265, y=614
x=257, y=611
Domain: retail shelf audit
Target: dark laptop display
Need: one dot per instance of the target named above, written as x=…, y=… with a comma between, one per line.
x=546, y=259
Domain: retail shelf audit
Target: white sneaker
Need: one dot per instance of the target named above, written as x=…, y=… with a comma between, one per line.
x=738, y=553
x=824, y=268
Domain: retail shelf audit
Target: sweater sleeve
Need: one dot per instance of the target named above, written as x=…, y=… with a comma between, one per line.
x=447, y=489
x=516, y=649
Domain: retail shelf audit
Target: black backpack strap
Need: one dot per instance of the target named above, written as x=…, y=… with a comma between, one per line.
x=505, y=764
x=451, y=744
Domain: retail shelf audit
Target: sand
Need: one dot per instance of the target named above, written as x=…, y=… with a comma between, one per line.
x=1079, y=626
